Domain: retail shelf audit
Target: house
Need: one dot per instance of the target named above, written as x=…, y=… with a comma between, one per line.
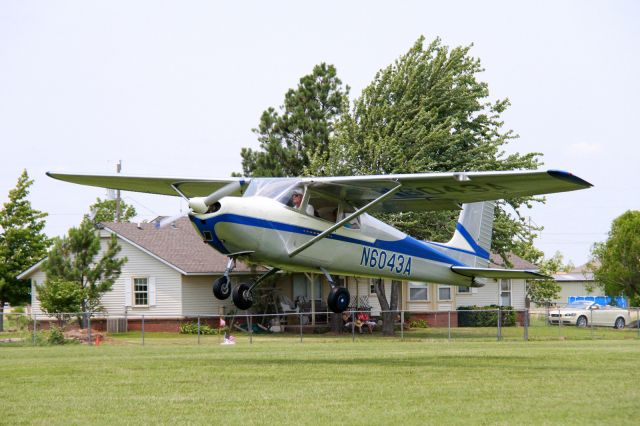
x=170, y=271
x=578, y=282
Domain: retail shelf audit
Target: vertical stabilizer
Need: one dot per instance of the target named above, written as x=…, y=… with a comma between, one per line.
x=471, y=242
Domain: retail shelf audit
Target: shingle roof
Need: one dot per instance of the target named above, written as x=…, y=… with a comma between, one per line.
x=179, y=245
x=517, y=262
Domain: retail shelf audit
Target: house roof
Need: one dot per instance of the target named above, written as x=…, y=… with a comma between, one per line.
x=579, y=273
x=177, y=245
x=517, y=262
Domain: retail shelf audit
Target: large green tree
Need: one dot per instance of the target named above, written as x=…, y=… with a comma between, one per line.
x=618, y=258
x=105, y=211
x=299, y=135
x=74, y=258
x=22, y=243
x=429, y=112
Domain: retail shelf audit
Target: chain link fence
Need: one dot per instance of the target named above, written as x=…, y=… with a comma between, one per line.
x=467, y=325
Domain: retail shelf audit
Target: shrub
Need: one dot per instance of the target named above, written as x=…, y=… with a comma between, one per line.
x=419, y=323
x=485, y=316
x=192, y=328
x=56, y=336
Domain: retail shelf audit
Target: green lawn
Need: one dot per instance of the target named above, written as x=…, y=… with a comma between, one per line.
x=324, y=380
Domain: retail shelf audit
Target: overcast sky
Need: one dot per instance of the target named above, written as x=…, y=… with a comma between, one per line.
x=174, y=88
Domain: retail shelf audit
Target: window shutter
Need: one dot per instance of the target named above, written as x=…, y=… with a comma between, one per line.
x=152, y=291
x=127, y=294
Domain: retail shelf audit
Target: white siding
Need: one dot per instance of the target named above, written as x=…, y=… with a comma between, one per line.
x=37, y=278
x=198, y=298
x=518, y=294
x=490, y=295
x=575, y=288
x=141, y=264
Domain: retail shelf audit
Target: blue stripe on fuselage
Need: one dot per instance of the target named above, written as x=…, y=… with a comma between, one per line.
x=409, y=245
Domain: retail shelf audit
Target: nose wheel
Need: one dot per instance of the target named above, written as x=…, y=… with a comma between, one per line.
x=222, y=288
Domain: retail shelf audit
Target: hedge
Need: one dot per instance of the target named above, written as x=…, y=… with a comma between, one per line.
x=485, y=316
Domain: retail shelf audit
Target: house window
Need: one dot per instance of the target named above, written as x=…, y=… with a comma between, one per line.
x=505, y=292
x=444, y=292
x=373, y=286
x=141, y=291
x=418, y=292
x=464, y=290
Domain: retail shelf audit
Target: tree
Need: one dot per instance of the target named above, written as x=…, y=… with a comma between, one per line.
x=60, y=298
x=619, y=257
x=428, y=112
x=299, y=136
x=105, y=211
x=73, y=259
x=542, y=292
x=22, y=243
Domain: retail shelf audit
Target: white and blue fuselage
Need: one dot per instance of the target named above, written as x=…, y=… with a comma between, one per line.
x=268, y=231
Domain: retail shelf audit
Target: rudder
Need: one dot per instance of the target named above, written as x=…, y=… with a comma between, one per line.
x=471, y=242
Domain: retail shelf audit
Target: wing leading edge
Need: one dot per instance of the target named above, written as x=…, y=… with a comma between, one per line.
x=190, y=187
x=438, y=191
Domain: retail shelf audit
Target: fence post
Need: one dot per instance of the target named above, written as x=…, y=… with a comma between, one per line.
x=526, y=325
x=499, y=323
x=638, y=320
x=449, y=326
x=250, y=328
x=88, y=327
x=559, y=322
x=142, y=329
x=300, y=323
x=401, y=325
x=198, y=329
x=35, y=322
x=591, y=322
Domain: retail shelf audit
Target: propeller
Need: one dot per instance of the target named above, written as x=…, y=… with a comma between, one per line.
x=202, y=205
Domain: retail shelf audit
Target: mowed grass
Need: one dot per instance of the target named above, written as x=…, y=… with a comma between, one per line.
x=324, y=380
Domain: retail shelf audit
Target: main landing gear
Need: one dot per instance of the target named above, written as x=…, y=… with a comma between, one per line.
x=338, y=299
x=242, y=295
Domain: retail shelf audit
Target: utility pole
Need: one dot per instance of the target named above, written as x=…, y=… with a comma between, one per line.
x=118, y=213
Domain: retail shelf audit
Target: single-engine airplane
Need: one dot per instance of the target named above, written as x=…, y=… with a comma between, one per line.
x=321, y=224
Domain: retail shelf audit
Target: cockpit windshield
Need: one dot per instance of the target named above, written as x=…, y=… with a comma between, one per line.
x=279, y=189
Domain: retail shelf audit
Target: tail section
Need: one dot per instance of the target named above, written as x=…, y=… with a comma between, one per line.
x=471, y=242
x=471, y=245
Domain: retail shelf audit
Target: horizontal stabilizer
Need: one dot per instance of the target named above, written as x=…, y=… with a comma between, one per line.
x=498, y=273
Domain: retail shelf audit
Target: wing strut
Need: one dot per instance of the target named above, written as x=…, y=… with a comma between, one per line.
x=347, y=219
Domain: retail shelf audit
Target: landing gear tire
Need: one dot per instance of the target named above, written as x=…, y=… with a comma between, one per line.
x=338, y=300
x=222, y=288
x=242, y=297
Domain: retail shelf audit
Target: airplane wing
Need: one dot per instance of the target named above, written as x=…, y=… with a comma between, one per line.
x=190, y=187
x=440, y=191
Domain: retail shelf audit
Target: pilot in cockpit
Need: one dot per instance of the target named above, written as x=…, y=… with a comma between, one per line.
x=296, y=201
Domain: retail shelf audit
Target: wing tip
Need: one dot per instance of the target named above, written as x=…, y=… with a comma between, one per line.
x=569, y=177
